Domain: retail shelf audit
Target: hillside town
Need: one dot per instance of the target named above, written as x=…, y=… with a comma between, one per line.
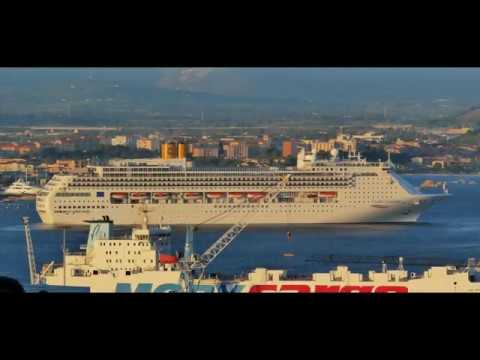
x=43, y=152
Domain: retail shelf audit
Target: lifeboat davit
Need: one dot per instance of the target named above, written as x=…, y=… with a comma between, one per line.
x=256, y=195
x=236, y=195
x=118, y=195
x=167, y=259
x=192, y=195
x=215, y=195
x=329, y=194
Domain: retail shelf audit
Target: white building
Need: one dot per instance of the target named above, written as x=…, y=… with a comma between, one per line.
x=120, y=140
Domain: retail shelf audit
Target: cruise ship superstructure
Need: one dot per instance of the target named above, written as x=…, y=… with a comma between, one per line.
x=318, y=191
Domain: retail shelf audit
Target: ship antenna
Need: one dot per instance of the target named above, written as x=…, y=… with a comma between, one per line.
x=400, y=263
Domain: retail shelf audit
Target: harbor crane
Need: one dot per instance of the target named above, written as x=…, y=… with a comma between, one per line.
x=35, y=277
x=32, y=267
x=191, y=262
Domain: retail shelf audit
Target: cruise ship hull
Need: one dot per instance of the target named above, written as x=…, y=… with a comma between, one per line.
x=181, y=214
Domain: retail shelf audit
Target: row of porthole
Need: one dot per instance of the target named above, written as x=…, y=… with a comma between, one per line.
x=120, y=243
x=119, y=261
x=116, y=253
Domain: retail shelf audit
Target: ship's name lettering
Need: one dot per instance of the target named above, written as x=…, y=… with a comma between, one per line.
x=304, y=288
x=264, y=288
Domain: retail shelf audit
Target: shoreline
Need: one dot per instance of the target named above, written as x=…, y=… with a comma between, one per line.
x=434, y=174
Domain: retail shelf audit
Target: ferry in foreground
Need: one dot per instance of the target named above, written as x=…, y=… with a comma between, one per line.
x=318, y=191
x=145, y=263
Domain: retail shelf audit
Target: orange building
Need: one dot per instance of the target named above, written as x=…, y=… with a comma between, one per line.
x=169, y=151
x=288, y=148
x=182, y=154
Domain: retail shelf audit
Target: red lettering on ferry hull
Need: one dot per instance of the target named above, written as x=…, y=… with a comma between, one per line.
x=263, y=288
x=327, y=288
x=295, y=288
x=391, y=289
x=357, y=289
x=299, y=288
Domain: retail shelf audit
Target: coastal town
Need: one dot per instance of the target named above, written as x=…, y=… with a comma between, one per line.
x=41, y=152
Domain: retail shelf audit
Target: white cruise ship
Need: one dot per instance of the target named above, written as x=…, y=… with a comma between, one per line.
x=317, y=191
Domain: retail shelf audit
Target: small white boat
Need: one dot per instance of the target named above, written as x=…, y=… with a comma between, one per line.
x=21, y=187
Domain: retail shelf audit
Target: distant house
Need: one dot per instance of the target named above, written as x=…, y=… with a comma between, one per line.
x=12, y=165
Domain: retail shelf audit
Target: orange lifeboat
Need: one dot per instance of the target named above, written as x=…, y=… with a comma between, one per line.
x=236, y=195
x=167, y=259
x=328, y=194
x=256, y=195
x=215, y=195
x=160, y=195
x=192, y=195
x=118, y=195
x=138, y=195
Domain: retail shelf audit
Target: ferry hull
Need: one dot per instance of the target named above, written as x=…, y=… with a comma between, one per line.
x=434, y=280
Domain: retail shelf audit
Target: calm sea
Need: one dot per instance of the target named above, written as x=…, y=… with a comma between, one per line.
x=450, y=229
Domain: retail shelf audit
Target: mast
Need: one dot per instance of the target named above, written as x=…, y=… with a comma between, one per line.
x=64, y=257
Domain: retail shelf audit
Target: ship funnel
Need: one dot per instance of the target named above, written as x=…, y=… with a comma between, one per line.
x=471, y=263
x=99, y=230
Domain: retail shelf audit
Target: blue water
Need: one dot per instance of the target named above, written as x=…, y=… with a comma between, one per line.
x=450, y=229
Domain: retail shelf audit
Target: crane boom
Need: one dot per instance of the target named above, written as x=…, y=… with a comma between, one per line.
x=226, y=239
x=32, y=268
